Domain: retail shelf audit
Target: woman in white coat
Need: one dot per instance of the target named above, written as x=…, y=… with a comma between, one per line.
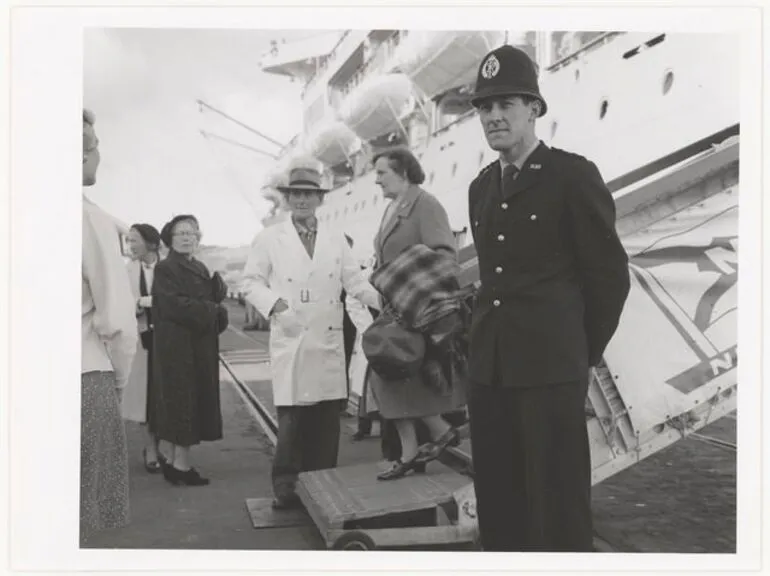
x=138, y=397
x=294, y=276
x=108, y=330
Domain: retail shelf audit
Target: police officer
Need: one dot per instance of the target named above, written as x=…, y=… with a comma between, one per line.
x=554, y=279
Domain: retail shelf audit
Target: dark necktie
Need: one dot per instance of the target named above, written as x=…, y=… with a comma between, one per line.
x=510, y=173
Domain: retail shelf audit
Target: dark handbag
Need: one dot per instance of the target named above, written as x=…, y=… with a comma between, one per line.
x=394, y=352
x=223, y=319
x=219, y=288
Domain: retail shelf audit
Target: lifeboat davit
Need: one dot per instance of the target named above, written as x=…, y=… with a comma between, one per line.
x=376, y=106
x=332, y=142
x=438, y=61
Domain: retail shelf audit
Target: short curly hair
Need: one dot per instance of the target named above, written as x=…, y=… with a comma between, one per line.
x=403, y=163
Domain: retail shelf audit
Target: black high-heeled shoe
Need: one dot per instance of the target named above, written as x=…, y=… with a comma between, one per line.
x=398, y=470
x=151, y=467
x=432, y=450
x=189, y=477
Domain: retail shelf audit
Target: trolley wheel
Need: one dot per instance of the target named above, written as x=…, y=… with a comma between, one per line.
x=354, y=541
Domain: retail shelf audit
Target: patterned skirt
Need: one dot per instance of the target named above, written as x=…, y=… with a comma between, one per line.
x=103, y=457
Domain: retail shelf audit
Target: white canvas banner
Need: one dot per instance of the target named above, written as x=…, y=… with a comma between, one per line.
x=676, y=345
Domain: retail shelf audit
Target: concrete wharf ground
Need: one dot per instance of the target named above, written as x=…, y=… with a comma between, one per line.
x=681, y=500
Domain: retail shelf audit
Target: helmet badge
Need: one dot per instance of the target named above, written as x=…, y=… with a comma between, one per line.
x=491, y=67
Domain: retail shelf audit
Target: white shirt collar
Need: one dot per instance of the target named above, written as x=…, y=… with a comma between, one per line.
x=523, y=159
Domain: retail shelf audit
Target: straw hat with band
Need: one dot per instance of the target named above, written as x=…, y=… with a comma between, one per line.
x=303, y=179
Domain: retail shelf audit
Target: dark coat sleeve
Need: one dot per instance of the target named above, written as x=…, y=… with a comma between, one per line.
x=171, y=302
x=601, y=259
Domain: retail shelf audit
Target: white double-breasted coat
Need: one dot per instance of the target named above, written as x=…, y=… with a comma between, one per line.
x=306, y=346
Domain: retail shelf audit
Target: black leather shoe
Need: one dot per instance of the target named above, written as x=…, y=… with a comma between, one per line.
x=286, y=502
x=358, y=436
x=184, y=477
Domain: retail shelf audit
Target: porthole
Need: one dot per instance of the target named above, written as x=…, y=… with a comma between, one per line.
x=668, y=81
x=603, y=108
x=554, y=128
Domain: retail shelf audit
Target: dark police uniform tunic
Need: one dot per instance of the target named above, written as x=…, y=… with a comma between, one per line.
x=554, y=279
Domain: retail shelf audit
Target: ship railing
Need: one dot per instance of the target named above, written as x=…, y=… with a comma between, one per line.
x=588, y=46
x=461, y=118
x=379, y=56
x=332, y=57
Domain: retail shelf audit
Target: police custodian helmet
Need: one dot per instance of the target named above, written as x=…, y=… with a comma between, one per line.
x=507, y=71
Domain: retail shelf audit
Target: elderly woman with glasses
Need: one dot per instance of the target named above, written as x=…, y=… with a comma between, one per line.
x=188, y=316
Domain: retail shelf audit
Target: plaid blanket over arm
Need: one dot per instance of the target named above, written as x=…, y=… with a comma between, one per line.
x=420, y=284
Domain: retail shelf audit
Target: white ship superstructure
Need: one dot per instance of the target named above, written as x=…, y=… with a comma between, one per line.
x=633, y=103
x=657, y=112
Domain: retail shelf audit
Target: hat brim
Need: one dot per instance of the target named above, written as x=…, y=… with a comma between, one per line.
x=301, y=188
x=496, y=91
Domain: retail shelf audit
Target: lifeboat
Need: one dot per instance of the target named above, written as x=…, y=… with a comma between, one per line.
x=376, y=106
x=332, y=142
x=438, y=61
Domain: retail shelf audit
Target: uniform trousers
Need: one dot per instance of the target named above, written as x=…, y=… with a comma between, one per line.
x=308, y=439
x=532, y=467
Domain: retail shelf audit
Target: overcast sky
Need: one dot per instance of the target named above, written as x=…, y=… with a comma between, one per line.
x=142, y=85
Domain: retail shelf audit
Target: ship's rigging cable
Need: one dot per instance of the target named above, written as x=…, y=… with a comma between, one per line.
x=202, y=104
x=230, y=175
x=206, y=134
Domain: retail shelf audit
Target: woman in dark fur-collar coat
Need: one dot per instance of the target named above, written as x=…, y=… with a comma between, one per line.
x=188, y=318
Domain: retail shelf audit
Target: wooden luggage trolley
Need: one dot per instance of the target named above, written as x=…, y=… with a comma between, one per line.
x=355, y=511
